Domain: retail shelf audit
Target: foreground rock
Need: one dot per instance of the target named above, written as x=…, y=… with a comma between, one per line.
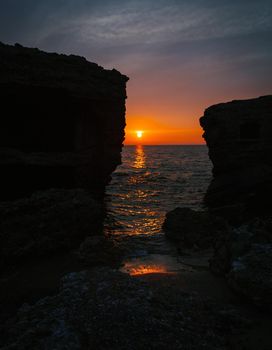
x=100, y=250
x=238, y=135
x=61, y=137
x=106, y=309
x=244, y=257
x=193, y=228
x=48, y=222
x=251, y=275
x=64, y=122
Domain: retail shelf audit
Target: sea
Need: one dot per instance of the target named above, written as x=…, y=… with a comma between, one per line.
x=153, y=180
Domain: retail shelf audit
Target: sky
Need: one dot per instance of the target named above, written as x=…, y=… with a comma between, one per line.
x=181, y=55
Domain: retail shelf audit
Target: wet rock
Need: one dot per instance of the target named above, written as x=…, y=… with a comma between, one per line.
x=251, y=275
x=192, y=228
x=45, y=223
x=106, y=309
x=244, y=257
x=238, y=135
x=237, y=241
x=227, y=247
x=234, y=214
x=100, y=250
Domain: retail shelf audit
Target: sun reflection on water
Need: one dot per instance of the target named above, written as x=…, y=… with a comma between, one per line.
x=152, y=181
x=151, y=264
x=139, y=162
x=143, y=269
x=146, y=269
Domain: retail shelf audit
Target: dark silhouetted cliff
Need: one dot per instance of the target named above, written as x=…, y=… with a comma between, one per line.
x=238, y=135
x=62, y=121
x=61, y=134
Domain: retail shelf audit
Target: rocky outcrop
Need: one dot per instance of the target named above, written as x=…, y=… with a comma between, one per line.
x=238, y=135
x=48, y=222
x=61, y=135
x=62, y=122
x=244, y=256
x=251, y=275
x=105, y=309
x=190, y=228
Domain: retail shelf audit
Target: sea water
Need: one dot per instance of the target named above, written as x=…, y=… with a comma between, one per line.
x=153, y=180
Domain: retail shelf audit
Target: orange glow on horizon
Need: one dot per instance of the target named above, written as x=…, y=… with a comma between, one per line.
x=153, y=132
x=165, y=116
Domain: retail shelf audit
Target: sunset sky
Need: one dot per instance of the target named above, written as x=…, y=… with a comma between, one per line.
x=181, y=56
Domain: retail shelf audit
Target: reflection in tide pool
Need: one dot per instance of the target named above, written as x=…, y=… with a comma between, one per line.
x=143, y=269
x=151, y=181
x=154, y=263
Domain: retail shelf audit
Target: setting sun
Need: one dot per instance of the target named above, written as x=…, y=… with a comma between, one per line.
x=139, y=134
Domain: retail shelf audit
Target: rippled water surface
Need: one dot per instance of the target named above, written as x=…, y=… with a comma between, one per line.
x=153, y=180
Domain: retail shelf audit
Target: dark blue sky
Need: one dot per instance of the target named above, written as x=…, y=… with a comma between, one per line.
x=181, y=55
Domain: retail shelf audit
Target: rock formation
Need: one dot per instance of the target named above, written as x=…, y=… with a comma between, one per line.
x=48, y=222
x=238, y=135
x=62, y=121
x=106, y=309
x=190, y=228
x=237, y=220
x=244, y=256
x=61, y=135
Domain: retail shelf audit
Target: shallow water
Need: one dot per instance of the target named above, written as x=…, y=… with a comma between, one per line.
x=153, y=180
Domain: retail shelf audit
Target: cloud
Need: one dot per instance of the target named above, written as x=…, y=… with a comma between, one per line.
x=199, y=47
x=149, y=22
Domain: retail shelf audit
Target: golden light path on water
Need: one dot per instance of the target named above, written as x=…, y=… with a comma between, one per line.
x=145, y=265
x=140, y=195
x=139, y=162
x=150, y=182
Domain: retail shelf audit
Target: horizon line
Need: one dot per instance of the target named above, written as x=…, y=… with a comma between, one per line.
x=168, y=144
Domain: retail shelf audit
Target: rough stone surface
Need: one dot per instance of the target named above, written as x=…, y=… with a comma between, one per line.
x=238, y=135
x=63, y=125
x=251, y=275
x=106, y=309
x=244, y=256
x=192, y=228
x=100, y=250
x=45, y=223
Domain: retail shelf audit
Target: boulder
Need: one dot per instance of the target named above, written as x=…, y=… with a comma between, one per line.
x=251, y=275
x=237, y=241
x=244, y=255
x=100, y=250
x=45, y=223
x=192, y=228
